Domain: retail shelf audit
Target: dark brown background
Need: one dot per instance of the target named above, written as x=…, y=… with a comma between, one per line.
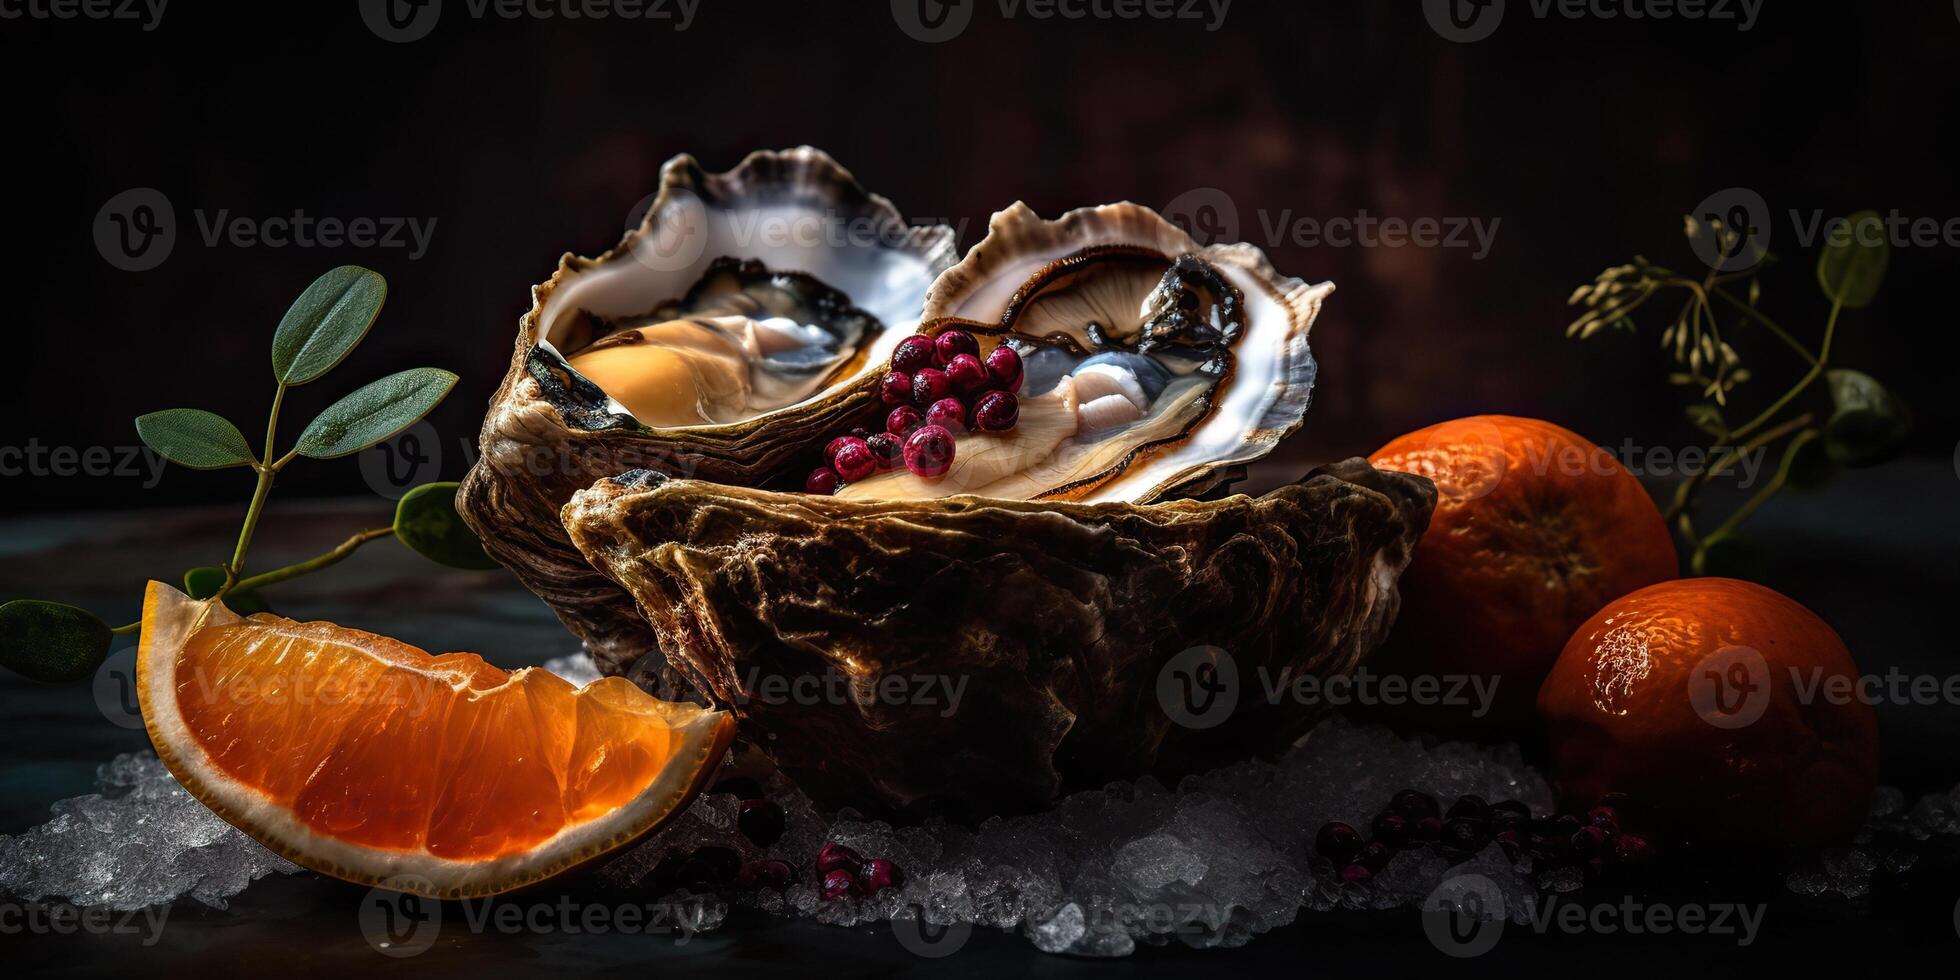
x=1587, y=139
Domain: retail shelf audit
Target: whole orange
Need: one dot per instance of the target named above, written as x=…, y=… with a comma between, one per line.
x=1535, y=528
x=1724, y=709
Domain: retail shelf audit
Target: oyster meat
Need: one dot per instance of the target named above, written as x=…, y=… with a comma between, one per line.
x=746, y=315
x=998, y=633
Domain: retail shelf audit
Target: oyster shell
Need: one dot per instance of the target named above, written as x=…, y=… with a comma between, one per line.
x=1054, y=621
x=1054, y=574
x=744, y=317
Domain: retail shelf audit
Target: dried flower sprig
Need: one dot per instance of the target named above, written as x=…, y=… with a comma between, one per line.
x=1861, y=425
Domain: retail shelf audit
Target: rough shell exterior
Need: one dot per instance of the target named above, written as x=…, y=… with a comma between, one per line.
x=1054, y=621
x=549, y=433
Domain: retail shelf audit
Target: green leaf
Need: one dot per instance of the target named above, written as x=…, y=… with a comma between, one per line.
x=374, y=413
x=204, y=581
x=326, y=322
x=1730, y=555
x=1869, y=425
x=426, y=521
x=52, y=641
x=194, y=438
x=1852, y=264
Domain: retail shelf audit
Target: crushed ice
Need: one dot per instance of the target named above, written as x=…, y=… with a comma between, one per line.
x=1214, y=861
x=143, y=840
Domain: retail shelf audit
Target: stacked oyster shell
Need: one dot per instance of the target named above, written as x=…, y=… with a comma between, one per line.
x=984, y=639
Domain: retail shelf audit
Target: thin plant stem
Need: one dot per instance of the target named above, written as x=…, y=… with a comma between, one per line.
x=267, y=472
x=1767, y=324
x=334, y=557
x=1816, y=371
x=1769, y=490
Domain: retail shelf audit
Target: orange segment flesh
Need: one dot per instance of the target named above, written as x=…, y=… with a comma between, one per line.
x=376, y=745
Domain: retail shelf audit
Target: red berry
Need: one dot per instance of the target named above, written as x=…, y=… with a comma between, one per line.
x=822, y=480
x=948, y=414
x=854, y=461
x=836, y=856
x=887, y=448
x=928, y=386
x=878, y=875
x=860, y=432
x=903, y=421
x=1355, y=874
x=953, y=343
x=912, y=354
x=1338, y=842
x=966, y=373
x=896, y=389
x=838, y=445
x=996, y=411
x=1004, y=368
x=840, y=884
x=929, y=451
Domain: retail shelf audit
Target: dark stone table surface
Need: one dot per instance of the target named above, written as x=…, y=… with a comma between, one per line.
x=1877, y=554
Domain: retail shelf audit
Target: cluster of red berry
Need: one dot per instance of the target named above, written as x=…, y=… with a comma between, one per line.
x=938, y=388
x=1592, y=842
x=845, y=874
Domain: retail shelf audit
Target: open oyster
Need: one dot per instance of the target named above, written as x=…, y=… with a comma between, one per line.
x=744, y=317
x=992, y=634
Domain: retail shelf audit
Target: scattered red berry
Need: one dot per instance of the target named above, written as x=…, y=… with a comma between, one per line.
x=878, y=875
x=1355, y=874
x=1392, y=829
x=953, y=343
x=822, y=480
x=967, y=374
x=836, y=856
x=1004, y=369
x=903, y=420
x=896, y=389
x=840, y=884
x=929, y=451
x=913, y=354
x=888, y=449
x=1338, y=842
x=948, y=414
x=996, y=411
x=928, y=386
x=1415, y=804
x=854, y=461
x=830, y=449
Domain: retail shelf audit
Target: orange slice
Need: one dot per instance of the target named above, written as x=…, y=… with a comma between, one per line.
x=370, y=760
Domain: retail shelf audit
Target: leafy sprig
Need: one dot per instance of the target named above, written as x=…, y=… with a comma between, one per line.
x=1857, y=423
x=56, y=642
